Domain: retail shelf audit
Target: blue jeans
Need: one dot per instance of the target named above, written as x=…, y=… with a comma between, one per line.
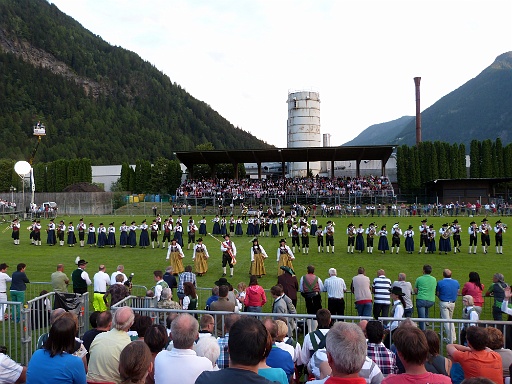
x=364, y=309
x=253, y=309
x=422, y=306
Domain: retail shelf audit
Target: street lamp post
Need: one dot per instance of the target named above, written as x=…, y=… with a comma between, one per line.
x=12, y=189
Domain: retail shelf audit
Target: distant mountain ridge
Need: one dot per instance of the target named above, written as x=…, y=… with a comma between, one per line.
x=96, y=100
x=478, y=110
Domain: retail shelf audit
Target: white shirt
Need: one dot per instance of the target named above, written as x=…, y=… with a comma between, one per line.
x=113, y=277
x=183, y=365
x=335, y=287
x=4, y=279
x=10, y=371
x=101, y=280
x=307, y=346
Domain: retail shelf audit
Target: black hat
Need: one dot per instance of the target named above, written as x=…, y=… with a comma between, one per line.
x=254, y=239
x=472, y=223
x=200, y=239
x=410, y=226
x=431, y=226
x=424, y=220
x=498, y=222
x=350, y=225
x=222, y=281
x=445, y=224
x=81, y=262
x=484, y=220
x=287, y=269
x=455, y=221
x=282, y=240
x=397, y=291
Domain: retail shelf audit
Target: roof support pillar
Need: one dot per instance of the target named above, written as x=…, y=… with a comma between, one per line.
x=236, y=170
x=358, y=168
x=283, y=170
x=259, y=170
x=332, y=169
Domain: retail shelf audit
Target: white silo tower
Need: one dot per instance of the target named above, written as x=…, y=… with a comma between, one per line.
x=303, y=126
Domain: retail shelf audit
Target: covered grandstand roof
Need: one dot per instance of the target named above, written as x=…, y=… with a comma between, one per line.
x=305, y=154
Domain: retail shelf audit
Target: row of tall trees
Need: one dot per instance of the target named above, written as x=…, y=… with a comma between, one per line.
x=57, y=175
x=429, y=161
x=164, y=176
x=490, y=159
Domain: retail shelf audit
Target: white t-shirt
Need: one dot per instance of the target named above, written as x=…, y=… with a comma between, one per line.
x=101, y=280
x=113, y=277
x=10, y=370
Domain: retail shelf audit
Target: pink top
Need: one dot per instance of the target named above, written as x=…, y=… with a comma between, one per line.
x=473, y=290
x=255, y=296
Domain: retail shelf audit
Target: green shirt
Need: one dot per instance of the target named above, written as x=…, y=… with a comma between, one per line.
x=59, y=280
x=426, y=285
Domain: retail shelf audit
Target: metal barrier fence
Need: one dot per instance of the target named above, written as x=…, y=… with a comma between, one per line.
x=23, y=325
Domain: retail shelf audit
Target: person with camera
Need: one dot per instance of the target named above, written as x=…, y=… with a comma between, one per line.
x=117, y=291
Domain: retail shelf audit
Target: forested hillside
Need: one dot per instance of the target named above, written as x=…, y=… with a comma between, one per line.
x=97, y=101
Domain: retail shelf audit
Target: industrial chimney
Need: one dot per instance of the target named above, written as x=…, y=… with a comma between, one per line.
x=418, y=110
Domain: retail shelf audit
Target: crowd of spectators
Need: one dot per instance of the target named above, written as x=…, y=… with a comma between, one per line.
x=313, y=186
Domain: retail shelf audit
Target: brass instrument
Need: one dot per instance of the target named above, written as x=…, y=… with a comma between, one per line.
x=447, y=233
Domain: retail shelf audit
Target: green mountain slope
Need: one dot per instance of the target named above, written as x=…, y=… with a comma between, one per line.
x=379, y=134
x=98, y=101
x=480, y=109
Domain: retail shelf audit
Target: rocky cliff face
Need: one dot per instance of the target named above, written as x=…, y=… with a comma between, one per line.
x=40, y=58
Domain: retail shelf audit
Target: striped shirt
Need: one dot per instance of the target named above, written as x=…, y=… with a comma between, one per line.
x=335, y=287
x=381, y=287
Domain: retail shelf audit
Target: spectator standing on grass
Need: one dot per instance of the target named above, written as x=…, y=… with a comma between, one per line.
x=80, y=277
x=474, y=288
x=407, y=291
x=381, y=296
x=360, y=287
x=4, y=279
x=497, y=290
x=60, y=280
x=19, y=286
x=425, y=288
x=117, y=292
x=119, y=271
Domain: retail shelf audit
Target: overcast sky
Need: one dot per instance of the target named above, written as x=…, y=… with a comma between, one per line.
x=243, y=57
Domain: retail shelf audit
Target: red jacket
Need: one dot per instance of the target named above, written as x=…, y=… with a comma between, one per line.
x=255, y=296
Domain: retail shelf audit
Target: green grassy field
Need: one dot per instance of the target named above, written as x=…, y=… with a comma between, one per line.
x=42, y=260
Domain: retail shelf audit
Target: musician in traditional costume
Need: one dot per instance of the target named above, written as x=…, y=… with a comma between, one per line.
x=360, y=238
x=91, y=235
x=71, y=235
x=51, y=239
x=232, y=223
x=456, y=229
x=258, y=256
x=144, y=235
x=329, y=236
x=102, y=236
x=351, y=234
x=158, y=221
x=250, y=226
x=295, y=237
x=485, y=230
x=396, y=233
x=200, y=257
x=304, y=234
x=216, y=225
x=31, y=229
x=111, y=235
x=239, y=231
x=61, y=231
x=37, y=232
x=191, y=233
x=409, y=240
x=132, y=235
x=431, y=234
x=228, y=250
x=444, y=239
x=178, y=233
x=284, y=257
x=80, y=228
x=473, y=237
x=289, y=224
x=15, y=235
x=280, y=225
x=257, y=226
x=202, y=226
x=123, y=237
x=167, y=233
x=499, y=229
x=154, y=228
x=383, y=240
x=175, y=256
x=423, y=235
x=371, y=231
x=223, y=228
x=320, y=238
x=314, y=225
